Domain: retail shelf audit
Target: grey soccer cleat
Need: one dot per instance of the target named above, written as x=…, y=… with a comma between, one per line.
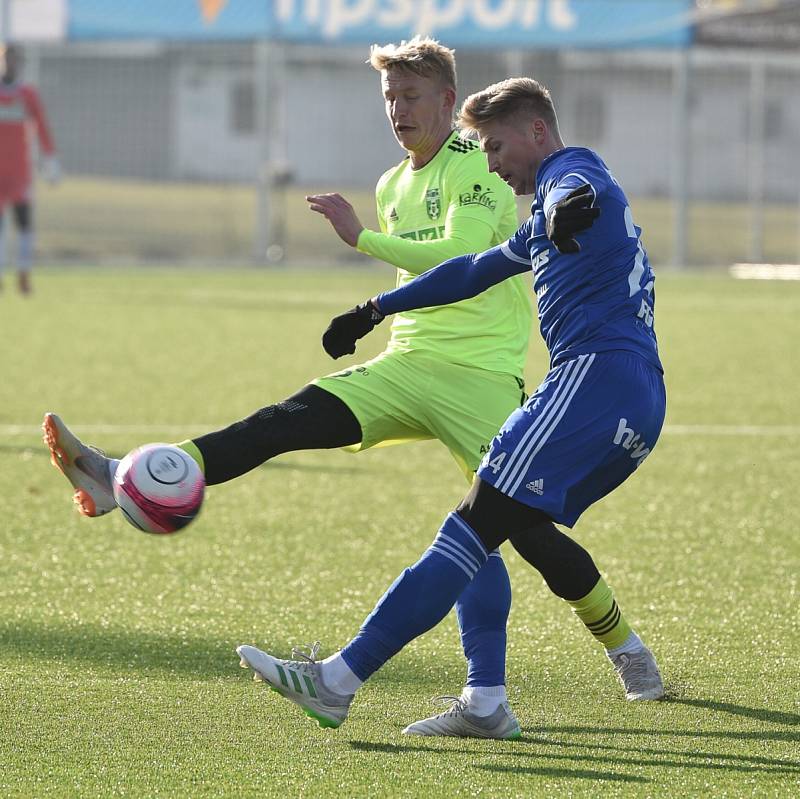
x=639, y=675
x=458, y=722
x=85, y=467
x=299, y=681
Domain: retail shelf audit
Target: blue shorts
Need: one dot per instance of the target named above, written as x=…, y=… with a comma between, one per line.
x=587, y=427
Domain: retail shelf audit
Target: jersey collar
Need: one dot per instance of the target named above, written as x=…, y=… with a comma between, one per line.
x=444, y=144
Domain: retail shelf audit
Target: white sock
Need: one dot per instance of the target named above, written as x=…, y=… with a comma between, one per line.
x=338, y=676
x=484, y=700
x=630, y=645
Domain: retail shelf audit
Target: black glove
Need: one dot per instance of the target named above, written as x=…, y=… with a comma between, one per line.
x=344, y=330
x=569, y=216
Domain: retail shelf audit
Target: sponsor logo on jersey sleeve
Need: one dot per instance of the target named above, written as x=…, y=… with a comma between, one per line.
x=480, y=195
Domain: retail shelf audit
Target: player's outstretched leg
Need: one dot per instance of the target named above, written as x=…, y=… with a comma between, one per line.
x=88, y=469
x=312, y=418
x=300, y=681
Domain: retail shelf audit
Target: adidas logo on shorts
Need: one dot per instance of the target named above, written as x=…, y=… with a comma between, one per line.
x=537, y=486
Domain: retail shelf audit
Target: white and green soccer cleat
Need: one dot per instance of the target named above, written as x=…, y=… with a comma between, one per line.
x=458, y=722
x=639, y=675
x=300, y=681
x=86, y=468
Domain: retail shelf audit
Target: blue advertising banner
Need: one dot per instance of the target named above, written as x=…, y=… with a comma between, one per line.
x=476, y=23
x=169, y=19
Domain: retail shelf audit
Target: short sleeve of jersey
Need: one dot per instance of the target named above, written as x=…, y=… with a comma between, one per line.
x=475, y=193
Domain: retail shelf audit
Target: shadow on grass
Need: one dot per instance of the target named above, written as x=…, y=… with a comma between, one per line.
x=741, y=735
x=121, y=651
x=578, y=774
x=510, y=748
x=760, y=713
x=531, y=746
x=665, y=758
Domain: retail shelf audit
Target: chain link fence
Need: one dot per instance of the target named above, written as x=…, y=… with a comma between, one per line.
x=204, y=152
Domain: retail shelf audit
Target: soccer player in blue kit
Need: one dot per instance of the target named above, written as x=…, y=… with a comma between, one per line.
x=592, y=421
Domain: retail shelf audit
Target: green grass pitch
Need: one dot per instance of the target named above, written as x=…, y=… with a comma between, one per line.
x=102, y=220
x=117, y=667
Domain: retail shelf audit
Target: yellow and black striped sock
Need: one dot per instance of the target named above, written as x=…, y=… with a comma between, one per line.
x=598, y=610
x=190, y=448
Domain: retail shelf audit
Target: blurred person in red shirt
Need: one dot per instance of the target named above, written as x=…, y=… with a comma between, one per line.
x=21, y=112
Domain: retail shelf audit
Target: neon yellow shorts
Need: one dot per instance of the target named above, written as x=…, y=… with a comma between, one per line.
x=413, y=396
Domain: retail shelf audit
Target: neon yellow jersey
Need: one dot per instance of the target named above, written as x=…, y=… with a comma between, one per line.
x=455, y=206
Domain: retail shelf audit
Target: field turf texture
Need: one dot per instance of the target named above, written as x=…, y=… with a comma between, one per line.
x=118, y=674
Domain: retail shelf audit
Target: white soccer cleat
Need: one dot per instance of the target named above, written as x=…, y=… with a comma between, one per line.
x=639, y=675
x=299, y=681
x=85, y=467
x=458, y=722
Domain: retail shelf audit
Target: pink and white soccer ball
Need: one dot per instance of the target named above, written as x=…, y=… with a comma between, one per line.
x=159, y=488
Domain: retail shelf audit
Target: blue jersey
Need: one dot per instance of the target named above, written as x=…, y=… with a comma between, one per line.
x=601, y=298
x=598, y=300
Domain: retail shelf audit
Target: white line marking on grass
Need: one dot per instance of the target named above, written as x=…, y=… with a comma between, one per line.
x=766, y=271
x=112, y=429
x=732, y=429
x=182, y=431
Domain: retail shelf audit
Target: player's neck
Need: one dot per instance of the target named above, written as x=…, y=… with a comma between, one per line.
x=554, y=146
x=423, y=156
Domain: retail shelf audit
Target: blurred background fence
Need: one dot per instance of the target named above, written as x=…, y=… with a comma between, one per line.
x=201, y=147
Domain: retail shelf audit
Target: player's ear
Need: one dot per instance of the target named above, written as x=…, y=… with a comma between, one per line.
x=449, y=95
x=539, y=130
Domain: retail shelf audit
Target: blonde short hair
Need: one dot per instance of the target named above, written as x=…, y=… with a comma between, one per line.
x=421, y=55
x=508, y=99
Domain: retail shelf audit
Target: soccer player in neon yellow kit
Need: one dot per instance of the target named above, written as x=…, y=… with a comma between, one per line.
x=452, y=373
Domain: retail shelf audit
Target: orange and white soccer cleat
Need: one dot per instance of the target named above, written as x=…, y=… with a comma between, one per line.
x=87, y=468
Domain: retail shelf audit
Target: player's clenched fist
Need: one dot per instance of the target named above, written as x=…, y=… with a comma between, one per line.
x=344, y=330
x=570, y=215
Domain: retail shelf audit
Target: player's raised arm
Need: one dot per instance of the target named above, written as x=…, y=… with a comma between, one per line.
x=462, y=235
x=454, y=280
x=471, y=220
x=468, y=210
